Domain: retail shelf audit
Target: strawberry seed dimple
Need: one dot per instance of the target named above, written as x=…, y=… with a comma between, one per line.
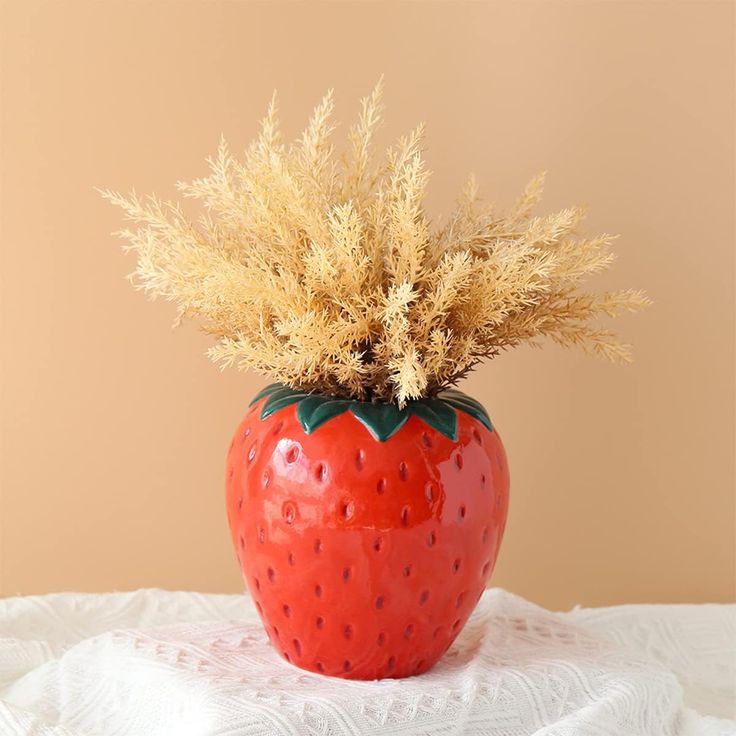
x=461, y=512
x=252, y=452
x=426, y=440
x=346, y=574
x=320, y=622
x=424, y=597
x=455, y=567
x=270, y=574
x=409, y=631
x=297, y=647
x=346, y=509
x=379, y=602
x=348, y=631
x=317, y=546
x=277, y=429
x=347, y=665
x=381, y=485
x=289, y=512
x=431, y=539
x=407, y=571
x=377, y=544
x=360, y=460
x=477, y=437
x=381, y=639
x=403, y=471
x=459, y=461
x=391, y=663
x=318, y=591
x=320, y=472
x=429, y=491
x=405, y=515
x=292, y=454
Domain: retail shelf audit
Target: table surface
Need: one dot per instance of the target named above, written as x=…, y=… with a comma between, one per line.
x=153, y=662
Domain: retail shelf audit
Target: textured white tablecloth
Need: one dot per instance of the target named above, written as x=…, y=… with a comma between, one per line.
x=152, y=662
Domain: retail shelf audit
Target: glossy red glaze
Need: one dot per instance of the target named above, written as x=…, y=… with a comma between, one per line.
x=365, y=558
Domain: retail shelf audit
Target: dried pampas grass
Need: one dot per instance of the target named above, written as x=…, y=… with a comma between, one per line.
x=323, y=271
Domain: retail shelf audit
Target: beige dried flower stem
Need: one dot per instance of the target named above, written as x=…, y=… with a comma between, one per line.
x=322, y=270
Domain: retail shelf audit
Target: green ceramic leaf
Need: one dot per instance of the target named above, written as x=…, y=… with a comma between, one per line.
x=436, y=414
x=470, y=406
x=307, y=406
x=265, y=392
x=314, y=411
x=279, y=399
x=382, y=420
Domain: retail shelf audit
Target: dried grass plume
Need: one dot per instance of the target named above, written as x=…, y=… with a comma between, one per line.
x=323, y=271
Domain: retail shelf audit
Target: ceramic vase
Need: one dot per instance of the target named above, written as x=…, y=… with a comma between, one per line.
x=366, y=533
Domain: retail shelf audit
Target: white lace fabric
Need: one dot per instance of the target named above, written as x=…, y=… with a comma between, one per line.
x=156, y=663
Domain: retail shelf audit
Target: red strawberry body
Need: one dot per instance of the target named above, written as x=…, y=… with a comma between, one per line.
x=365, y=557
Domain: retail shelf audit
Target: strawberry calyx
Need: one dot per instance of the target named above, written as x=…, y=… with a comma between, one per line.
x=382, y=420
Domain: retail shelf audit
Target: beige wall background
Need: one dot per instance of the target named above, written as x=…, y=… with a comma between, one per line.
x=115, y=427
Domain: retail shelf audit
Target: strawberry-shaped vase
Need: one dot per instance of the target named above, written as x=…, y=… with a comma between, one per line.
x=366, y=533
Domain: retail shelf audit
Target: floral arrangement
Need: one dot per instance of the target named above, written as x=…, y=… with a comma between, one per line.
x=324, y=272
